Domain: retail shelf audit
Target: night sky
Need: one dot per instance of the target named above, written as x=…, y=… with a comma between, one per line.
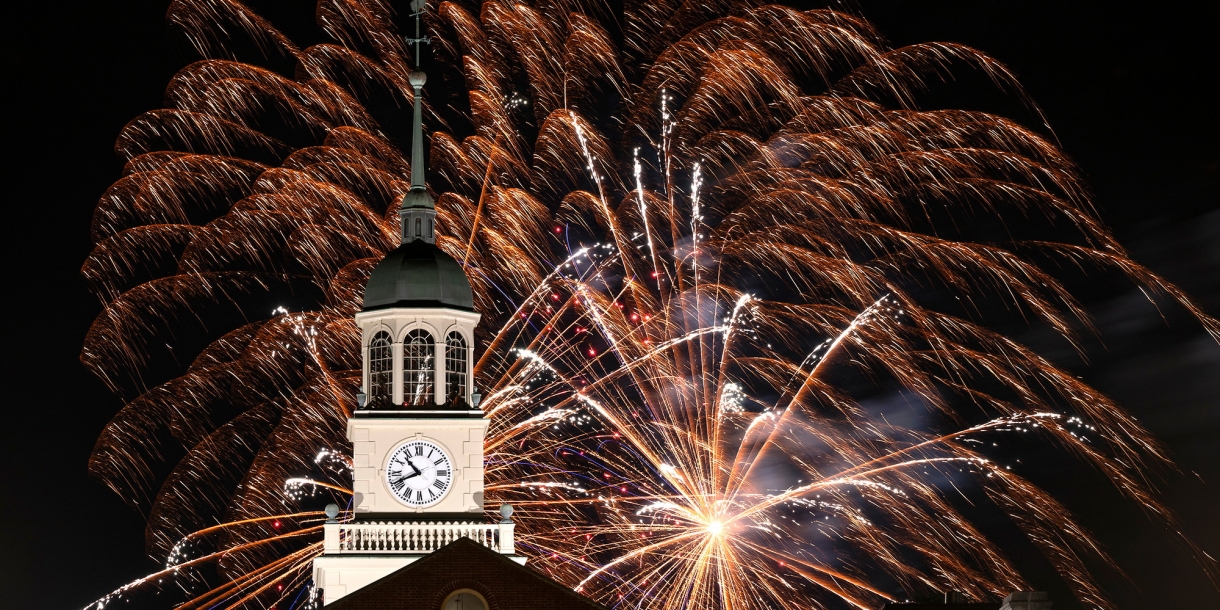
x=1129, y=91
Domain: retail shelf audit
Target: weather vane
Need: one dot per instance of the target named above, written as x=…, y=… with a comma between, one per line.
x=417, y=10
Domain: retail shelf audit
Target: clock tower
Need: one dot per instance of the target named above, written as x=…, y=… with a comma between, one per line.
x=417, y=433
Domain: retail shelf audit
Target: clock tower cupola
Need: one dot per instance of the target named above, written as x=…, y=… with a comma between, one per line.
x=417, y=433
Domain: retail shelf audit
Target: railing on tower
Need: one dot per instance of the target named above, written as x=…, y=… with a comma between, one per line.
x=413, y=538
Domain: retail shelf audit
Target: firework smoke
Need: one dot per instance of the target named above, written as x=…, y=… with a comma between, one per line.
x=704, y=238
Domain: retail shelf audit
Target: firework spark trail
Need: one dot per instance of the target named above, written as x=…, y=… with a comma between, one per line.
x=638, y=172
x=750, y=460
x=651, y=427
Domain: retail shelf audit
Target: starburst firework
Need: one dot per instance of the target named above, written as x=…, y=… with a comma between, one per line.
x=703, y=255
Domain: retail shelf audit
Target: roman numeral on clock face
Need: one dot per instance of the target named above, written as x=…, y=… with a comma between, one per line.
x=439, y=484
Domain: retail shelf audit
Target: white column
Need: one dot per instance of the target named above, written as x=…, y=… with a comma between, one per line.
x=396, y=351
x=470, y=367
x=438, y=385
x=364, y=364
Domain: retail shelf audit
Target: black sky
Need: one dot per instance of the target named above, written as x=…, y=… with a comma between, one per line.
x=1129, y=90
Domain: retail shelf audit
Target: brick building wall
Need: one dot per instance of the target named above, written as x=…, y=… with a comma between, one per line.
x=425, y=584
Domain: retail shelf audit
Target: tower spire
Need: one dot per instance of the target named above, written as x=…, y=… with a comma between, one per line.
x=417, y=211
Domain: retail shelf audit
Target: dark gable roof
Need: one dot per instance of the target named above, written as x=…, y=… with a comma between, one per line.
x=464, y=564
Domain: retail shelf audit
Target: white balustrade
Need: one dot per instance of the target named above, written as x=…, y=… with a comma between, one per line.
x=412, y=538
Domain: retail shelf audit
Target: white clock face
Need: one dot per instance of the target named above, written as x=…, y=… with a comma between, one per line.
x=419, y=473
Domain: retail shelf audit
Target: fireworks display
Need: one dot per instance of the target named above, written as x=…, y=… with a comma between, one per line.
x=743, y=301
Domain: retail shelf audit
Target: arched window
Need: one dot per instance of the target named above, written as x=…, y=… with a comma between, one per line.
x=464, y=599
x=381, y=369
x=418, y=368
x=419, y=232
x=455, y=368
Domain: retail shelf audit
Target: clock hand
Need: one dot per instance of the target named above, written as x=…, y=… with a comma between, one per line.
x=417, y=473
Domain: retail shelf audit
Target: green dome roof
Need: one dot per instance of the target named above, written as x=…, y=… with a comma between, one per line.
x=418, y=274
